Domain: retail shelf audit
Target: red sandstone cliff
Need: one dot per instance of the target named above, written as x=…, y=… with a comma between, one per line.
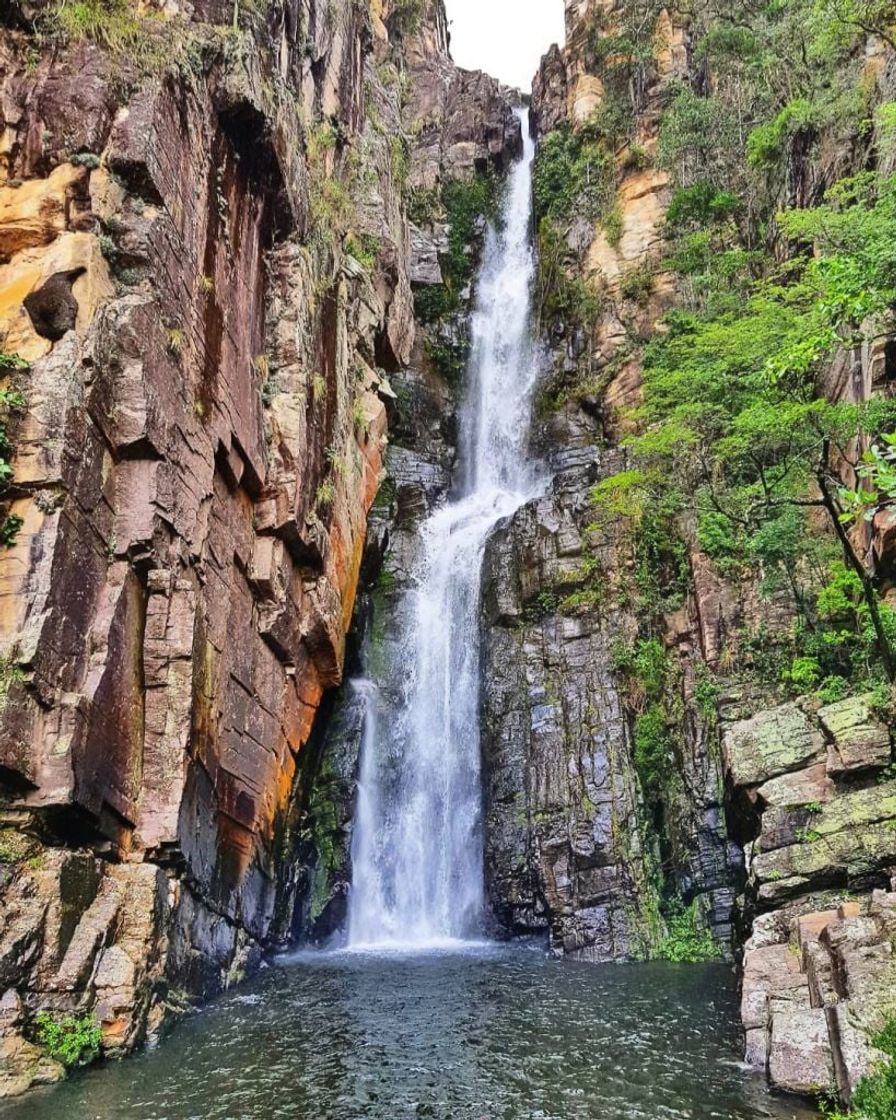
x=204, y=259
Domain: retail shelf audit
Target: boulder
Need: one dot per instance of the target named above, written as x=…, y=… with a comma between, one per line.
x=800, y=1059
x=857, y=740
x=771, y=743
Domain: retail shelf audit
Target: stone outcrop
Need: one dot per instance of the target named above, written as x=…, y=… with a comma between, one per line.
x=566, y=848
x=816, y=986
x=813, y=783
x=205, y=263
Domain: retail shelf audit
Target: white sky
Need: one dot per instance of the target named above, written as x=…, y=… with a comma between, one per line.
x=506, y=38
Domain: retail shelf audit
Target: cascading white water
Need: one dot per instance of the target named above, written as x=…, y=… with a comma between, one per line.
x=417, y=846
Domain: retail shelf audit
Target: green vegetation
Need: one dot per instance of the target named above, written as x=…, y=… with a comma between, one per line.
x=10, y=401
x=874, y=1097
x=735, y=435
x=73, y=1040
x=463, y=204
x=563, y=295
x=111, y=23
x=405, y=18
x=646, y=673
x=322, y=830
x=336, y=179
x=573, y=174
x=14, y=845
x=686, y=942
x=364, y=248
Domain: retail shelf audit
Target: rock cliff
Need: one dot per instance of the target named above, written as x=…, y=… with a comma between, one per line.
x=206, y=271
x=658, y=765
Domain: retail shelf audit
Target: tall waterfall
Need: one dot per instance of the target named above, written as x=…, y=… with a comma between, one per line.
x=417, y=846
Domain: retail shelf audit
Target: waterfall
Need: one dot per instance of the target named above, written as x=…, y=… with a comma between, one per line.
x=417, y=844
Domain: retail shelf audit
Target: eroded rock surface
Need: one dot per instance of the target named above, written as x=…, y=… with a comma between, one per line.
x=207, y=266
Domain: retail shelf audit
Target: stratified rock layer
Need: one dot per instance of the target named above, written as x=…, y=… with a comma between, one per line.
x=205, y=262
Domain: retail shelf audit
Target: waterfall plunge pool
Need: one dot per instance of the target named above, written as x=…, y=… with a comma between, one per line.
x=488, y=1033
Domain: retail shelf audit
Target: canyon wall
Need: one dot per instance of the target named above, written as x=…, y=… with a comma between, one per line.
x=206, y=269
x=653, y=776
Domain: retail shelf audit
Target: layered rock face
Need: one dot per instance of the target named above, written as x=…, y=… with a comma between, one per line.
x=206, y=272
x=572, y=844
x=770, y=818
x=567, y=847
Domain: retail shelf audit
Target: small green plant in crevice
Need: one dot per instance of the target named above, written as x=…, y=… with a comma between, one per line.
x=73, y=1040
x=10, y=528
x=614, y=226
x=637, y=283
x=424, y=204
x=11, y=400
x=686, y=941
x=14, y=845
x=544, y=605
x=874, y=1098
x=175, y=340
x=364, y=248
x=90, y=160
x=326, y=493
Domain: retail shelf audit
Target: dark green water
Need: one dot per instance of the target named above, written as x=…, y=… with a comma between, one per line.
x=500, y=1034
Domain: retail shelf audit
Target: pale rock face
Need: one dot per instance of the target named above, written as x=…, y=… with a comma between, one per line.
x=642, y=200
x=32, y=267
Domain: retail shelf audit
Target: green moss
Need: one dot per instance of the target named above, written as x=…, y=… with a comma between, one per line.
x=325, y=832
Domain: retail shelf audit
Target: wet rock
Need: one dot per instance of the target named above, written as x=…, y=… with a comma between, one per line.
x=53, y=308
x=204, y=436
x=560, y=780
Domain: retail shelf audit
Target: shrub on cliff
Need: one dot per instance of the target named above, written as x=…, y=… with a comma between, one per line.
x=10, y=401
x=573, y=174
x=732, y=414
x=73, y=1040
